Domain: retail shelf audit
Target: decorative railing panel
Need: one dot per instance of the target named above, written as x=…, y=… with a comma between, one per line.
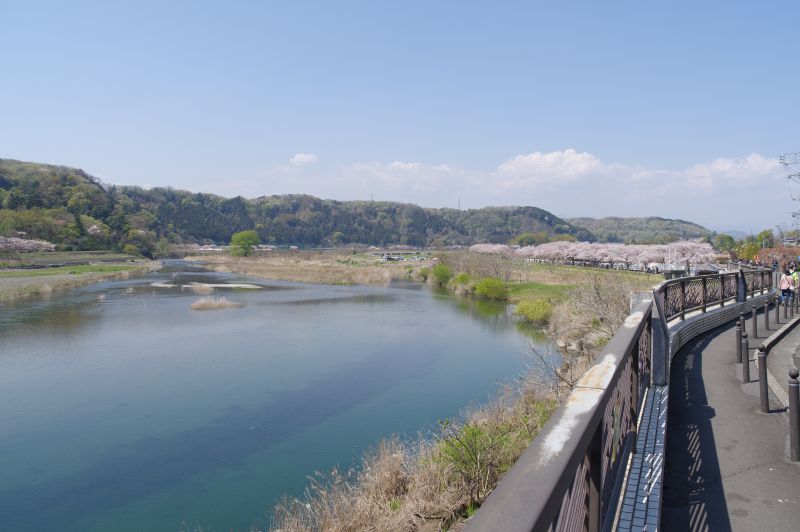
x=694, y=292
x=687, y=294
x=729, y=285
x=574, y=507
x=619, y=423
x=644, y=358
x=714, y=289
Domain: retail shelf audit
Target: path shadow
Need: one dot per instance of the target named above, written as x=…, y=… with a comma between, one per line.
x=693, y=494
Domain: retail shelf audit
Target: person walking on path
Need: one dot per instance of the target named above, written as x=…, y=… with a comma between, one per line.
x=786, y=285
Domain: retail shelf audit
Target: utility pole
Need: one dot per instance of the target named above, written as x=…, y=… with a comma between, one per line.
x=791, y=164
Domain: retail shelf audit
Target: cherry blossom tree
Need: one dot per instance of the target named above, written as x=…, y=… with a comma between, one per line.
x=677, y=254
x=22, y=245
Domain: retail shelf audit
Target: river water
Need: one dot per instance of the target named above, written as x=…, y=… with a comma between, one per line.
x=123, y=409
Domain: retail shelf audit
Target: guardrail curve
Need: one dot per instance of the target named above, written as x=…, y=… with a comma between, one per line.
x=571, y=476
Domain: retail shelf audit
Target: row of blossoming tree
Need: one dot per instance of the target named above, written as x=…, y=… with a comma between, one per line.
x=16, y=245
x=684, y=254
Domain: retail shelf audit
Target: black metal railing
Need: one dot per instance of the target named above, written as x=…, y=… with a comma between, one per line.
x=686, y=294
x=570, y=476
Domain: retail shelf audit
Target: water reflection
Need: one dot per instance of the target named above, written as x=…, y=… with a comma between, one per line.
x=154, y=463
x=115, y=397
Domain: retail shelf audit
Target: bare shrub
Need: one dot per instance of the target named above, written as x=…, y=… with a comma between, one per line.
x=429, y=485
x=558, y=373
x=329, y=268
x=200, y=288
x=478, y=265
x=214, y=303
x=595, y=309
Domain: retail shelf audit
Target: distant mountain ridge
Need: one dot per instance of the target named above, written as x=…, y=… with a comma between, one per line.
x=74, y=210
x=647, y=230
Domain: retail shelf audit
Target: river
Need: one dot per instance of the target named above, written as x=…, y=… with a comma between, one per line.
x=123, y=409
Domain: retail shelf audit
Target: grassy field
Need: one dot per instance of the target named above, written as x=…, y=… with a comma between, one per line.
x=78, y=269
x=41, y=282
x=532, y=291
x=575, y=275
x=12, y=260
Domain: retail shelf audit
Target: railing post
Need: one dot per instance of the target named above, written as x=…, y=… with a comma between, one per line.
x=766, y=315
x=739, y=341
x=755, y=321
x=777, y=310
x=741, y=288
x=745, y=359
x=683, y=300
x=660, y=355
x=786, y=310
x=595, y=452
x=721, y=290
x=794, y=416
x=634, y=405
x=705, y=295
x=763, y=387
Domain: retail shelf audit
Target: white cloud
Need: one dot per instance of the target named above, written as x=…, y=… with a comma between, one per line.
x=400, y=175
x=565, y=170
x=302, y=159
x=566, y=182
x=551, y=168
x=752, y=169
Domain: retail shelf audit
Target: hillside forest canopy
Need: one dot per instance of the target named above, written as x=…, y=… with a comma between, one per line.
x=76, y=211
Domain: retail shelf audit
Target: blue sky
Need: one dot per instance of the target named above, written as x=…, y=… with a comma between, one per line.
x=597, y=108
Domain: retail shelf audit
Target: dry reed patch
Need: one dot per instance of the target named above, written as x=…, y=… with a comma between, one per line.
x=214, y=303
x=312, y=267
x=200, y=288
x=428, y=485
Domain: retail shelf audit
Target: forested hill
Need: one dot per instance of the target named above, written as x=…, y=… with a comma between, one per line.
x=650, y=230
x=72, y=209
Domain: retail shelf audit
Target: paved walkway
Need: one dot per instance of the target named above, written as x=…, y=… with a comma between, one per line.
x=782, y=358
x=726, y=466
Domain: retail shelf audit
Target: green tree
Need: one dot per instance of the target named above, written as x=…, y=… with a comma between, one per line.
x=441, y=274
x=748, y=250
x=766, y=239
x=537, y=312
x=242, y=243
x=724, y=242
x=526, y=239
x=491, y=288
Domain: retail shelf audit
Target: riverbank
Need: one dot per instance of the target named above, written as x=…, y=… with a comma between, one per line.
x=317, y=267
x=16, y=284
